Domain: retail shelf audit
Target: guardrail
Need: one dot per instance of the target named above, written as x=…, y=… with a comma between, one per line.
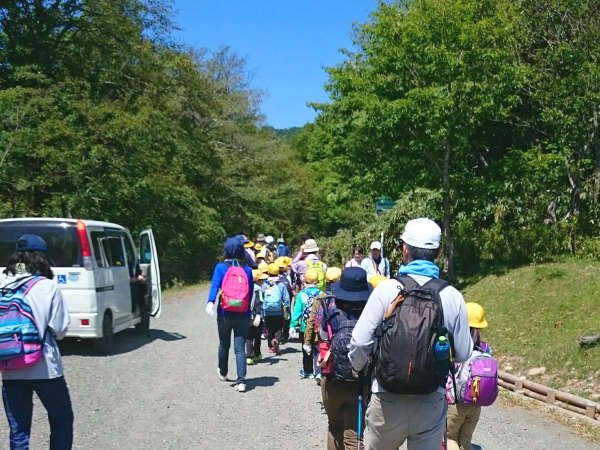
x=549, y=396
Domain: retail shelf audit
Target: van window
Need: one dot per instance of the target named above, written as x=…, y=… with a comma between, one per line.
x=145, y=251
x=61, y=237
x=130, y=255
x=113, y=250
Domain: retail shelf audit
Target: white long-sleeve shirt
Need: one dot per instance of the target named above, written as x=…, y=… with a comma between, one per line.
x=51, y=314
x=456, y=322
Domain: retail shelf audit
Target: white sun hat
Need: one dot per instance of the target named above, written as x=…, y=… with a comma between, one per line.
x=422, y=233
x=375, y=245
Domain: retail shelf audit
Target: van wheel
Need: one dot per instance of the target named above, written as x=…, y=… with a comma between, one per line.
x=104, y=344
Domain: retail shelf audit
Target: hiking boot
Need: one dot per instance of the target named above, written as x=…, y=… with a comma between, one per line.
x=318, y=378
x=241, y=386
x=221, y=377
x=250, y=361
x=275, y=347
x=271, y=350
x=310, y=376
x=256, y=359
x=305, y=375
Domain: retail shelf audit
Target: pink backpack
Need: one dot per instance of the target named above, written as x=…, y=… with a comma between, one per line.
x=235, y=289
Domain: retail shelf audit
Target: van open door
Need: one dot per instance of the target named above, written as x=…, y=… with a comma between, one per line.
x=150, y=268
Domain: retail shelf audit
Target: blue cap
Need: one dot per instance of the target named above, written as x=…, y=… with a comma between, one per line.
x=234, y=246
x=30, y=243
x=353, y=285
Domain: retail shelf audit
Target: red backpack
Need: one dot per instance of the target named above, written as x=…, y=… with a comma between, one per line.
x=235, y=289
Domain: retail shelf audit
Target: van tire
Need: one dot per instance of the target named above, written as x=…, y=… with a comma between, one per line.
x=104, y=345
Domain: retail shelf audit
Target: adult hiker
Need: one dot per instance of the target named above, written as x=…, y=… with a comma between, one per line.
x=260, y=239
x=376, y=263
x=357, y=257
x=408, y=401
x=302, y=308
x=311, y=260
x=340, y=388
x=282, y=248
x=275, y=300
x=232, y=283
x=253, y=354
x=40, y=312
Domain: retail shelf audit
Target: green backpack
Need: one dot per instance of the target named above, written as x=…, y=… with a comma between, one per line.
x=318, y=266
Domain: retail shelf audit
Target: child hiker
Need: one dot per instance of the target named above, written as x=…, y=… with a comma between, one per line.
x=253, y=354
x=302, y=307
x=463, y=418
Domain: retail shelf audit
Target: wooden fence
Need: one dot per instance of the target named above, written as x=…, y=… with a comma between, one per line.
x=548, y=395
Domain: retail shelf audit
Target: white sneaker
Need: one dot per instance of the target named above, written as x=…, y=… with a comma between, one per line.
x=241, y=387
x=221, y=377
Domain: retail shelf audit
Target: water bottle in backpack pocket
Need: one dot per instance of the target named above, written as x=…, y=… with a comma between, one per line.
x=20, y=342
x=477, y=380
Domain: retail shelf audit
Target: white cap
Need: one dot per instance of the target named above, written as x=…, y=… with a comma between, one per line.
x=376, y=245
x=310, y=246
x=269, y=239
x=422, y=233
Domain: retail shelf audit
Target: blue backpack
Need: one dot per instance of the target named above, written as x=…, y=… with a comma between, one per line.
x=283, y=250
x=20, y=342
x=273, y=299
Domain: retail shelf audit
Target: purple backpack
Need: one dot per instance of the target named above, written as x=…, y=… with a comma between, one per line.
x=477, y=379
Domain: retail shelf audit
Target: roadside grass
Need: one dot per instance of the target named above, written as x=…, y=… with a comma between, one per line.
x=536, y=315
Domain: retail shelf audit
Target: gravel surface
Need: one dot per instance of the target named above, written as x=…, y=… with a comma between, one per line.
x=162, y=392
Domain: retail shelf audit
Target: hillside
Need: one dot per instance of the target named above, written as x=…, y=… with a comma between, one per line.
x=536, y=315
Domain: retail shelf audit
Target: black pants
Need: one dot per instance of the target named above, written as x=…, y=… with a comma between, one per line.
x=274, y=325
x=253, y=341
x=307, y=360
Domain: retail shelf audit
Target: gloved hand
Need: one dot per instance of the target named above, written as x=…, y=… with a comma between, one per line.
x=307, y=349
x=293, y=333
x=210, y=309
x=256, y=321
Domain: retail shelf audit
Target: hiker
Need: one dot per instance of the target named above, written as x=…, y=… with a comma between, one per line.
x=299, y=255
x=275, y=299
x=260, y=239
x=357, y=257
x=233, y=284
x=340, y=388
x=270, y=248
x=463, y=417
x=282, y=248
x=27, y=278
x=408, y=396
x=376, y=263
x=313, y=322
x=284, y=277
x=311, y=260
x=250, y=255
x=302, y=308
x=253, y=354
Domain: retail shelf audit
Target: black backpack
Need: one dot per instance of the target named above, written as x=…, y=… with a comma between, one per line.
x=342, y=328
x=405, y=360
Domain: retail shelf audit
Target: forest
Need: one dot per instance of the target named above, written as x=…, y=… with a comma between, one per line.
x=481, y=114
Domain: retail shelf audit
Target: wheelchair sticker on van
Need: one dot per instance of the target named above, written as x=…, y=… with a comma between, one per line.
x=73, y=276
x=61, y=279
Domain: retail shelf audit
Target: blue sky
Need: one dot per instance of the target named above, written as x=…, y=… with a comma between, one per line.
x=286, y=43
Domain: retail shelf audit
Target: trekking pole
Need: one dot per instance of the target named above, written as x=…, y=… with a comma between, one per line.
x=360, y=402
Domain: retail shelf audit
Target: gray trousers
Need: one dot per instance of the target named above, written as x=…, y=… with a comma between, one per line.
x=394, y=418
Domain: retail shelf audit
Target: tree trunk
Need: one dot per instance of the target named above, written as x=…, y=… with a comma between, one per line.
x=447, y=229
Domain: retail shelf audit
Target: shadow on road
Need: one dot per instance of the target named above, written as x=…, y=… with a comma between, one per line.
x=125, y=342
x=289, y=350
x=253, y=383
x=476, y=447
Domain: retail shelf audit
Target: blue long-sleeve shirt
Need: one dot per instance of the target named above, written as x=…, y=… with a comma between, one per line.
x=217, y=280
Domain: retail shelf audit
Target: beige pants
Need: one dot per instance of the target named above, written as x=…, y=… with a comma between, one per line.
x=394, y=418
x=462, y=420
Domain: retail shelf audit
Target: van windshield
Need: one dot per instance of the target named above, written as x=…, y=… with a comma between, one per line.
x=61, y=237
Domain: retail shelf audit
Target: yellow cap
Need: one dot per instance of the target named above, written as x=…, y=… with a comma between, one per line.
x=333, y=274
x=287, y=260
x=376, y=279
x=262, y=254
x=280, y=262
x=263, y=266
x=249, y=244
x=273, y=269
x=258, y=247
x=476, y=315
x=262, y=276
x=311, y=276
x=255, y=273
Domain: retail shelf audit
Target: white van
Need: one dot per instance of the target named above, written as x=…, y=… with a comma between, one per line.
x=98, y=268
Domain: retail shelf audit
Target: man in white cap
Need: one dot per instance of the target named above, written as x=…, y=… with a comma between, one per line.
x=408, y=401
x=376, y=263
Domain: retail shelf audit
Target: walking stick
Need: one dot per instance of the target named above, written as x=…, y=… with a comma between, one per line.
x=360, y=401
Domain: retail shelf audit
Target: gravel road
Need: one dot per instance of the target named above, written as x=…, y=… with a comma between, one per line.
x=162, y=392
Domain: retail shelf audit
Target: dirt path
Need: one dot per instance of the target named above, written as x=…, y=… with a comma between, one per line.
x=162, y=392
